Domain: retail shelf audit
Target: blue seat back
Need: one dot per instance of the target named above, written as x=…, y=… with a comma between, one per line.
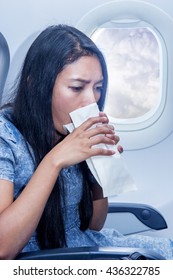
x=4, y=63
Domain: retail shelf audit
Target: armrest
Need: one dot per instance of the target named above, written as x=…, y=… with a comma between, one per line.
x=91, y=253
x=146, y=214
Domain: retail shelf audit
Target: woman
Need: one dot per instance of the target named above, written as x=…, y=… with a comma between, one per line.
x=49, y=199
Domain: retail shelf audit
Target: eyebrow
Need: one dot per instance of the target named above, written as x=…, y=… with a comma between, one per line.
x=85, y=81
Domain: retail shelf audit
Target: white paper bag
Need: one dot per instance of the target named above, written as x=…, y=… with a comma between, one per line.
x=109, y=171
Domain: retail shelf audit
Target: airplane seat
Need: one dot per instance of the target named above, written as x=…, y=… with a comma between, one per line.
x=144, y=213
x=4, y=63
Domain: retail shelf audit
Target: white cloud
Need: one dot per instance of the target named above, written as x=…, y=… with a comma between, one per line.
x=132, y=57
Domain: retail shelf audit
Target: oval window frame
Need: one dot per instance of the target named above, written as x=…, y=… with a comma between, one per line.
x=148, y=131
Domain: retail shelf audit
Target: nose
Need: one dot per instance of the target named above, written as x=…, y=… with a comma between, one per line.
x=90, y=97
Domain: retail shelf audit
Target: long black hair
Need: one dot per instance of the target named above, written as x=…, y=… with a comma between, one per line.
x=54, y=48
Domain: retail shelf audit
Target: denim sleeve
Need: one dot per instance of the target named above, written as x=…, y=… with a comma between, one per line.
x=6, y=161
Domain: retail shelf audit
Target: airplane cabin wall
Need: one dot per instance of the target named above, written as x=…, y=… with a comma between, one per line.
x=19, y=19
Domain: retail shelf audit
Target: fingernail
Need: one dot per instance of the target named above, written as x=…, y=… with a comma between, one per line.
x=120, y=149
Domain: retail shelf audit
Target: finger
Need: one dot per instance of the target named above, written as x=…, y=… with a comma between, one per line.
x=114, y=137
x=100, y=139
x=106, y=125
x=100, y=129
x=92, y=121
x=102, y=152
x=102, y=114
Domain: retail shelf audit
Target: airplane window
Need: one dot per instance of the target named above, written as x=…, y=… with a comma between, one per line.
x=133, y=60
x=138, y=50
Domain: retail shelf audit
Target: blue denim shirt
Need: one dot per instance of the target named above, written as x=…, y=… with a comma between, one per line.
x=17, y=166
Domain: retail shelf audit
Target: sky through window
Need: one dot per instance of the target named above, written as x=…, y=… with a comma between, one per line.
x=133, y=59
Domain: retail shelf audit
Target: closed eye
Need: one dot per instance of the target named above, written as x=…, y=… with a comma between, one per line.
x=77, y=89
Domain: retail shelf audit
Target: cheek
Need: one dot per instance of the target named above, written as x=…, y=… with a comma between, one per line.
x=61, y=109
x=65, y=105
x=63, y=102
x=97, y=97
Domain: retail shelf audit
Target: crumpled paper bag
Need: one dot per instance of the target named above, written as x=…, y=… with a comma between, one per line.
x=109, y=171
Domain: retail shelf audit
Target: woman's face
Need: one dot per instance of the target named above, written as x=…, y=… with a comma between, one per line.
x=77, y=85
